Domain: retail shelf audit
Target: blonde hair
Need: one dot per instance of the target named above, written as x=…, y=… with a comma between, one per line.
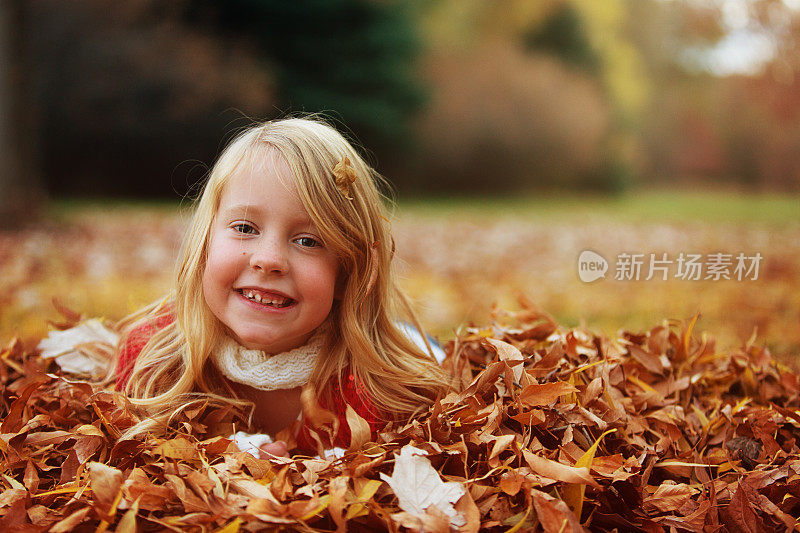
x=174, y=369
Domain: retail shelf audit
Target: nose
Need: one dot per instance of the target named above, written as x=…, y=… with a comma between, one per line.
x=270, y=256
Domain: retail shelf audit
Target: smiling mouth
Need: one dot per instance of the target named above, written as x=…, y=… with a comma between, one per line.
x=267, y=300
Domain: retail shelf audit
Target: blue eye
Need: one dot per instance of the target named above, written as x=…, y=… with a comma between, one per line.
x=246, y=229
x=308, y=242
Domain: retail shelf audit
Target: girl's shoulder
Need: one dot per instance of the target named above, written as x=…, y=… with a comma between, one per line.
x=135, y=341
x=354, y=394
x=149, y=326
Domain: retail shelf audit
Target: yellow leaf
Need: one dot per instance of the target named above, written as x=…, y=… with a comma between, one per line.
x=724, y=467
x=642, y=384
x=355, y=510
x=749, y=381
x=88, y=429
x=700, y=415
x=587, y=458
x=586, y=367
x=128, y=522
x=571, y=397
x=65, y=490
x=230, y=527
x=368, y=490
x=740, y=405
x=324, y=501
x=573, y=492
x=10, y=362
x=104, y=524
x=358, y=508
x=687, y=336
x=519, y=524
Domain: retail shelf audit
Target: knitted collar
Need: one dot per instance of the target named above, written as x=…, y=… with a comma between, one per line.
x=268, y=372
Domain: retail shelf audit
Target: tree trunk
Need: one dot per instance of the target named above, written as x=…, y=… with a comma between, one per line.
x=21, y=192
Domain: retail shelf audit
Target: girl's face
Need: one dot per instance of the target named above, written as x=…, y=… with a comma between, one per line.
x=269, y=277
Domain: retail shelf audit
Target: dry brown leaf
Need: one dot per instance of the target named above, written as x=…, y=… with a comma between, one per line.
x=702, y=438
x=558, y=471
x=539, y=394
x=105, y=481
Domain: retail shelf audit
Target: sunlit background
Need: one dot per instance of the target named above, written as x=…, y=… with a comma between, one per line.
x=516, y=134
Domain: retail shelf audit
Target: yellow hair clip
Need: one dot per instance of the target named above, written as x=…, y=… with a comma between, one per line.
x=345, y=175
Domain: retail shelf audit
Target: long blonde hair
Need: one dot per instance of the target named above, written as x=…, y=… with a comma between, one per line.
x=174, y=369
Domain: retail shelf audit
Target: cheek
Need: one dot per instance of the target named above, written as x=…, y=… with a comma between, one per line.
x=220, y=269
x=224, y=255
x=324, y=279
x=210, y=289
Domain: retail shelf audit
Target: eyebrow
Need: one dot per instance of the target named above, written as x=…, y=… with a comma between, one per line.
x=242, y=208
x=257, y=210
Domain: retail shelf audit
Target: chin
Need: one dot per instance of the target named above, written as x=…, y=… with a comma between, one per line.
x=252, y=343
x=247, y=339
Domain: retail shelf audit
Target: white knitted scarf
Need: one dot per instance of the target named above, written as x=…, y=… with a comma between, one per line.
x=268, y=372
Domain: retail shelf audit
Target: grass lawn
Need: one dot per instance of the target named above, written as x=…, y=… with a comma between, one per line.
x=644, y=206
x=456, y=257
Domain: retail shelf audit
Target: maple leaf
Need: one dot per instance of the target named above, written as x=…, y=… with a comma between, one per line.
x=418, y=486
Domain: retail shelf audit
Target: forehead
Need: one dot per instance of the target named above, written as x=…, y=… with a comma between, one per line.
x=260, y=175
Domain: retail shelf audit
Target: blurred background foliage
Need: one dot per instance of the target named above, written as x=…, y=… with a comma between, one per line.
x=516, y=132
x=471, y=96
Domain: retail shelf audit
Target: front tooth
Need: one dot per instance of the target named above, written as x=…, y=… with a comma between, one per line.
x=250, y=294
x=258, y=297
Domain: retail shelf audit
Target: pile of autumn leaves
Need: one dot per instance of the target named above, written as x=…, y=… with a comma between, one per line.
x=550, y=430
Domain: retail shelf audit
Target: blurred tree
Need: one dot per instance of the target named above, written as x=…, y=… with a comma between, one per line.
x=21, y=193
x=626, y=83
x=133, y=99
x=352, y=59
x=469, y=24
x=564, y=36
x=622, y=70
x=589, y=143
x=503, y=120
x=710, y=126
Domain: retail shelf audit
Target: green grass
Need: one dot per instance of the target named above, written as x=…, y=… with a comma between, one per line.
x=645, y=206
x=70, y=209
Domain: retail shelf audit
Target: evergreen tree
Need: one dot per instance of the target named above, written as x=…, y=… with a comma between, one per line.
x=349, y=58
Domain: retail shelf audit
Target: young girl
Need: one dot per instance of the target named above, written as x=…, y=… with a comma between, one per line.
x=285, y=301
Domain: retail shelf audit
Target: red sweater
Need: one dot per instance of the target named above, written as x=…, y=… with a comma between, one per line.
x=353, y=393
